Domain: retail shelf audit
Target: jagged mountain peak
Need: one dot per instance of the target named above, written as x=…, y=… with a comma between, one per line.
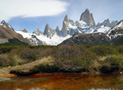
x=57, y=28
x=48, y=31
x=47, y=25
x=66, y=18
x=25, y=31
x=37, y=32
x=87, y=11
x=3, y=22
x=64, y=29
x=6, y=25
x=86, y=25
x=119, y=25
x=87, y=17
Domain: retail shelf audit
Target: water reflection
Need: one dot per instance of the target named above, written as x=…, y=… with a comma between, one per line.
x=64, y=82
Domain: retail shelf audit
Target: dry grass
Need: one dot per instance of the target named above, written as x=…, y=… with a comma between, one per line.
x=26, y=67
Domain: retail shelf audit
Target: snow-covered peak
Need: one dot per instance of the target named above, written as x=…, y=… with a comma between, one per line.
x=116, y=31
x=86, y=25
x=35, y=39
x=5, y=25
x=120, y=24
x=38, y=32
x=103, y=29
x=25, y=34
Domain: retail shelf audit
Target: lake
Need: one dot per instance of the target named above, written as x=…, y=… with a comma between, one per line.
x=63, y=82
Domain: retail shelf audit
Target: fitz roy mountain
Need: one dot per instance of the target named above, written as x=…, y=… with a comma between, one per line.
x=84, y=31
x=86, y=25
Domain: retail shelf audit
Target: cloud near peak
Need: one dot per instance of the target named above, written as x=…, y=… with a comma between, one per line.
x=31, y=8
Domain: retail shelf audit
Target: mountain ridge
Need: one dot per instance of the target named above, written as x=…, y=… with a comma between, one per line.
x=113, y=37
x=50, y=36
x=7, y=33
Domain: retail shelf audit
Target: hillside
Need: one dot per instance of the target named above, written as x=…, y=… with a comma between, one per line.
x=8, y=35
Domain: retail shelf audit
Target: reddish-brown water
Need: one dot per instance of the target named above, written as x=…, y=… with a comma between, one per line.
x=63, y=82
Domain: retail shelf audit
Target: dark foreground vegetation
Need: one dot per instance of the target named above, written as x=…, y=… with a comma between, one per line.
x=65, y=58
x=13, y=42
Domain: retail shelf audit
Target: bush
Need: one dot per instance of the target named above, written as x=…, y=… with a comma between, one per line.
x=103, y=50
x=120, y=49
x=73, y=57
x=5, y=49
x=13, y=60
x=29, y=54
x=112, y=64
x=44, y=52
x=45, y=68
x=4, y=61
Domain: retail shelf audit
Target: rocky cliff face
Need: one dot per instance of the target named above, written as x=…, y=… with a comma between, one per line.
x=87, y=17
x=57, y=30
x=65, y=26
x=48, y=31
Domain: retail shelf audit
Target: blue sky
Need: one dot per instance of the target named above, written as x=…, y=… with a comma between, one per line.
x=33, y=14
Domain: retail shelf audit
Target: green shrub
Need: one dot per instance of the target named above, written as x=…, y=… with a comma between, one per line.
x=14, y=42
x=103, y=50
x=5, y=49
x=44, y=52
x=112, y=64
x=73, y=56
x=45, y=68
x=120, y=49
x=13, y=60
x=4, y=61
x=29, y=54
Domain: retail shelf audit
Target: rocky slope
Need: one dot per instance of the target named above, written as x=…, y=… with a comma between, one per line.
x=7, y=33
x=95, y=38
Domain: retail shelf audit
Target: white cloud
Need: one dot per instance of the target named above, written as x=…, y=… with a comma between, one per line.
x=30, y=8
